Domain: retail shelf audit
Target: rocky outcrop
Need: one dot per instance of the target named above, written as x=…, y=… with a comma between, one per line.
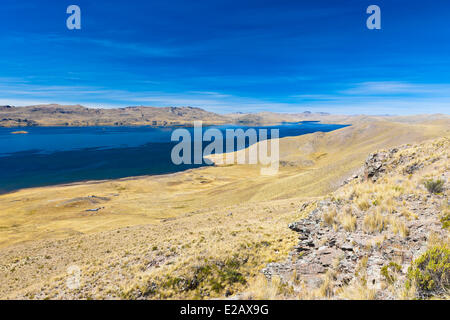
x=375, y=164
x=17, y=122
x=342, y=235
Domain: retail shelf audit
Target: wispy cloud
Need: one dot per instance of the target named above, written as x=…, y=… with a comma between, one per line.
x=124, y=47
x=368, y=98
x=382, y=97
x=396, y=88
x=133, y=47
x=211, y=94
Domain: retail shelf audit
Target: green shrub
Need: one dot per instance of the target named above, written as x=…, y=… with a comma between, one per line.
x=434, y=186
x=430, y=273
x=216, y=275
x=445, y=220
x=388, y=271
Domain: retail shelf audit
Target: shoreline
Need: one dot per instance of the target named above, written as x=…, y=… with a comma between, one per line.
x=182, y=125
x=139, y=200
x=93, y=182
x=162, y=175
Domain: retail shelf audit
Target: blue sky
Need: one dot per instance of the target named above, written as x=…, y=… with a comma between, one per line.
x=227, y=56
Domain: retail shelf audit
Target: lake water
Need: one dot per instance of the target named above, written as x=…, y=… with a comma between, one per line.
x=56, y=155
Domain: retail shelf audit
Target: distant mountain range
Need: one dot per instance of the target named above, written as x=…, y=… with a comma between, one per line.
x=77, y=115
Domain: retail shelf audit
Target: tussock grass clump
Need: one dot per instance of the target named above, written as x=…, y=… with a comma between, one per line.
x=348, y=221
x=358, y=288
x=357, y=291
x=326, y=290
x=375, y=222
x=389, y=205
x=363, y=204
x=408, y=214
x=430, y=273
x=434, y=186
x=329, y=217
x=262, y=289
x=398, y=227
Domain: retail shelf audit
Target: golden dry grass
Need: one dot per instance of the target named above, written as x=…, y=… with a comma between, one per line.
x=182, y=220
x=60, y=211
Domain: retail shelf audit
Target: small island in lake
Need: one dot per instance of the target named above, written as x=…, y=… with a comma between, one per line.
x=19, y=132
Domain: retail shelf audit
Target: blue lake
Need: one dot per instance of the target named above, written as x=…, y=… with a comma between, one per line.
x=57, y=155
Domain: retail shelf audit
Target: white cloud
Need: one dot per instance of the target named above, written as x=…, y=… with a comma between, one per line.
x=394, y=87
x=367, y=98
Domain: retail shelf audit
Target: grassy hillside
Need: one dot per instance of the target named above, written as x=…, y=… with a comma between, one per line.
x=208, y=232
x=384, y=235
x=58, y=115
x=77, y=115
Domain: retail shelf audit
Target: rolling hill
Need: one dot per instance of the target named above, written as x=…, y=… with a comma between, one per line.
x=151, y=235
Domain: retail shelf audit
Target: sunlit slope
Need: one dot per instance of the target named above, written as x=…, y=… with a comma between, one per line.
x=77, y=115
x=311, y=165
x=314, y=164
